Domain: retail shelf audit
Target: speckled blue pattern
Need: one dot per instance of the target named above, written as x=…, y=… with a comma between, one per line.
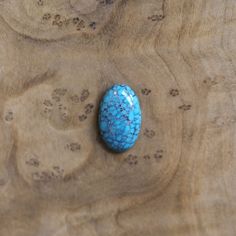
x=120, y=118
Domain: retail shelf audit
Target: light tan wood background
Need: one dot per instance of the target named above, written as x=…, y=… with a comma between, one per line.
x=57, y=57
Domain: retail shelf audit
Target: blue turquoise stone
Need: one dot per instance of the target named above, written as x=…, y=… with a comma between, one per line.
x=120, y=118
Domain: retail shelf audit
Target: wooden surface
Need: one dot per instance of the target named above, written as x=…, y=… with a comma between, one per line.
x=57, y=57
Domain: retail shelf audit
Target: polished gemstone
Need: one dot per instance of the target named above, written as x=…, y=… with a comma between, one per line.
x=120, y=118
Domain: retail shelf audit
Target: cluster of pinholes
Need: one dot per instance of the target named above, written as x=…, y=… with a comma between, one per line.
x=120, y=118
x=80, y=23
x=62, y=21
x=68, y=104
x=133, y=159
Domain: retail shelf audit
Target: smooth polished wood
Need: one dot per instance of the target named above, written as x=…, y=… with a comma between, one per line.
x=57, y=57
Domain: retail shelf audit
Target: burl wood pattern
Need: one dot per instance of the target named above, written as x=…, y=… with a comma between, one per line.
x=57, y=58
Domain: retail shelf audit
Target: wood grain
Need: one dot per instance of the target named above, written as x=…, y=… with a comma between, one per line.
x=57, y=57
